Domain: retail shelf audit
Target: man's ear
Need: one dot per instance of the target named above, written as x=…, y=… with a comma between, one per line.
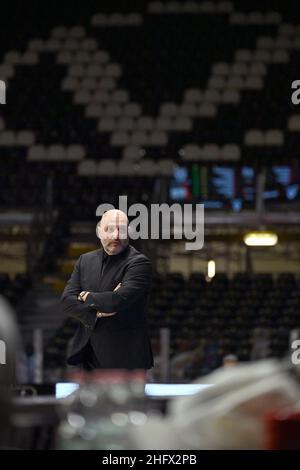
x=98, y=230
x=131, y=231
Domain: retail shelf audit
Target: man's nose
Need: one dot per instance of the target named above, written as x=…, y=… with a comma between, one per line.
x=115, y=234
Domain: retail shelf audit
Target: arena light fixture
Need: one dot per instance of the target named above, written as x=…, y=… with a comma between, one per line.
x=260, y=238
x=211, y=269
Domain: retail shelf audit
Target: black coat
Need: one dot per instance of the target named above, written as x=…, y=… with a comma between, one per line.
x=119, y=341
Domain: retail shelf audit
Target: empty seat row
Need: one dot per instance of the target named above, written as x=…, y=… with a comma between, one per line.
x=117, y=19
x=9, y=138
x=56, y=153
x=272, y=137
x=210, y=152
x=125, y=167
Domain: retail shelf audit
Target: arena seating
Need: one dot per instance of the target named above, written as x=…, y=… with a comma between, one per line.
x=228, y=311
x=133, y=92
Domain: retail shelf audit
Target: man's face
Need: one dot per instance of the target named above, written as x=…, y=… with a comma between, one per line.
x=114, y=232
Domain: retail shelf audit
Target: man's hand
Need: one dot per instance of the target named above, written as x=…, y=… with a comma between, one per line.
x=83, y=296
x=102, y=314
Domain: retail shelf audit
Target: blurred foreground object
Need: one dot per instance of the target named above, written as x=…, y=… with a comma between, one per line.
x=9, y=343
x=103, y=411
x=228, y=415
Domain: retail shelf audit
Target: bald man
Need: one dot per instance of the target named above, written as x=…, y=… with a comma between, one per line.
x=107, y=293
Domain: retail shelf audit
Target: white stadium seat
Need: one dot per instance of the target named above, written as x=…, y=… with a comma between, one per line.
x=120, y=139
x=113, y=70
x=244, y=55
x=145, y=123
x=134, y=19
x=36, y=45
x=169, y=109
x=294, y=123
x=287, y=29
x=65, y=58
x=83, y=57
x=274, y=137
x=273, y=18
x=107, y=168
x=126, y=168
x=120, y=96
x=257, y=68
x=132, y=152
x=283, y=42
x=230, y=152
x=117, y=19
x=265, y=42
x=36, y=153
x=238, y=18
x=77, y=32
x=95, y=71
x=100, y=57
x=75, y=152
x=231, y=97
x=156, y=7
x=107, y=124
x=221, y=68
x=147, y=167
x=71, y=45
x=56, y=153
x=207, y=110
x=126, y=124
x=12, y=57
x=82, y=97
x=212, y=96
x=89, y=83
x=211, y=152
x=132, y=110
x=193, y=95
x=158, y=138
x=165, y=167
x=254, y=137
x=77, y=71
x=188, y=109
x=25, y=138
x=30, y=58
x=262, y=55
x=183, y=124
x=216, y=82
x=87, y=168
x=6, y=71
x=113, y=110
x=53, y=45
x=94, y=110
x=70, y=84
x=256, y=17
x=191, y=152
x=139, y=138
x=99, y=19
x=164, y=123
x=7, y=138
x=60, y=32
x=88, y=44
x=107, y=83
x=101, y=96
x=280, y=57
x=254, y=83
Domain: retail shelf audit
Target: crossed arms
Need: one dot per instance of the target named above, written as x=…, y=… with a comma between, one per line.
x=135, y=285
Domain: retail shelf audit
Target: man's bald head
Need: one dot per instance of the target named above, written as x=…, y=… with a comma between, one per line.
x=114, y=231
